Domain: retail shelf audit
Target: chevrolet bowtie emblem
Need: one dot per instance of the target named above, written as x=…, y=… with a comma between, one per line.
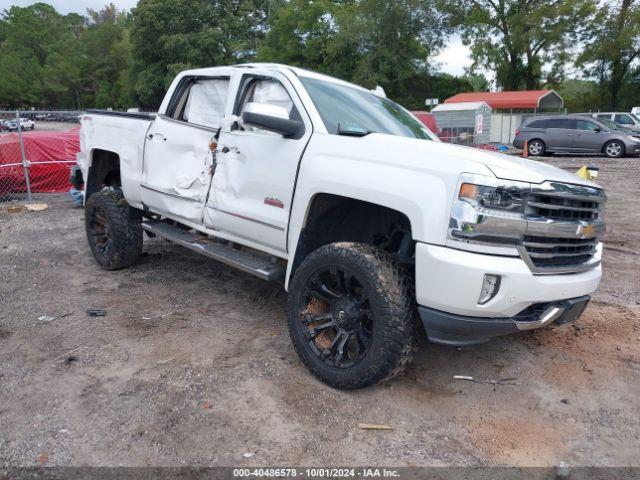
x=586, y=230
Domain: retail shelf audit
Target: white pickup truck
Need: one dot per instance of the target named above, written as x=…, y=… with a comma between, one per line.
x=375, y=227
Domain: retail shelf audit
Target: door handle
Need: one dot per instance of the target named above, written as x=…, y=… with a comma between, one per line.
x=569, y=134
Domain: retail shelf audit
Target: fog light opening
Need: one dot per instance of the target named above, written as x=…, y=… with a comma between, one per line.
x=490, y=287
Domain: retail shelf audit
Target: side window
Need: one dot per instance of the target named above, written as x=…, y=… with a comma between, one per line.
x=587, y=125
x=538, y=124
x=623, y=119
x=562, y=123
x=202, y=102
x=605, y=117
x=270, y=92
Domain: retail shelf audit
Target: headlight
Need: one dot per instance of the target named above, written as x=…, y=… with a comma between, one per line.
x=502, y=197
x=489, y=211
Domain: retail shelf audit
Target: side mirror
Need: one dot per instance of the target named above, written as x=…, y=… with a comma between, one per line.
x=272, y=118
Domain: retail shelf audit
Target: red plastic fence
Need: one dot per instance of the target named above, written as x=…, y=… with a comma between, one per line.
x=50, y=156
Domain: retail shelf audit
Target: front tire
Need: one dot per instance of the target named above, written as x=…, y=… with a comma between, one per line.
x=536, y=148
x=613, y=149
x=114, y=229
x=351, y=315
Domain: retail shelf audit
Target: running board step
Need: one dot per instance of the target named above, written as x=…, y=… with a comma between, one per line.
x=246, y=261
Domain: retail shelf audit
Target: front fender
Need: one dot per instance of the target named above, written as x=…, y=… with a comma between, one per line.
x=383, y=170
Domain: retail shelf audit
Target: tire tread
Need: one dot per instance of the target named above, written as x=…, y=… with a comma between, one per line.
x=126, y=224
x=395, y=303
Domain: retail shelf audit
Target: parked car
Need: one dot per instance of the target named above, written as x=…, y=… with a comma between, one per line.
x=636, y=111
x=624, y=119
x=365, y=216
x=614, y=126
x=4, y=124
x=25, y=124
x=574, y=134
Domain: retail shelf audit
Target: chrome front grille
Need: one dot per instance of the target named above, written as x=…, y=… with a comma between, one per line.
x=563, y=208
x=564, y=224
x=546, y=252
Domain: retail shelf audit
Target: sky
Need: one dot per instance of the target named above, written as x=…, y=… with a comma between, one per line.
x=452, y=59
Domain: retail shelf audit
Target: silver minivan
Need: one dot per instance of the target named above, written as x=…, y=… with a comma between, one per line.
x=575, y=134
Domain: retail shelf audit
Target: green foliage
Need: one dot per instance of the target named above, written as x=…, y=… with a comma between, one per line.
x=515, y=38
x=612, y=49
x=478, y=81
x=369, y=42
x=173, y=35
x=48, y=60
x=114, y=59
x=579, y=95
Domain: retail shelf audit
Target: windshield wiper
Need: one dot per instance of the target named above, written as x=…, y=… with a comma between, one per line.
x=353, y=131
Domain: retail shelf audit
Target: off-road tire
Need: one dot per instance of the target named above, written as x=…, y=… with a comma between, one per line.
x=120, y=244
x=391, y=298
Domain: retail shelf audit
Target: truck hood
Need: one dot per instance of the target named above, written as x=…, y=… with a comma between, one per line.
x=506, y=167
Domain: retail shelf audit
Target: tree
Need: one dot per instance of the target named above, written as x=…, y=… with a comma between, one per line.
x=515, y=38
x=303, y=33
x=106, y=59
x=173, y=35
x=579, y=95
x=370, y=42
x=612, y=46
x=64, y=61
x=478, y=81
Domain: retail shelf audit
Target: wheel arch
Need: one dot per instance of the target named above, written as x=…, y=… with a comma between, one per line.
x=624, y=147
x=545, y=147
x=331, y=217
x=104, y=170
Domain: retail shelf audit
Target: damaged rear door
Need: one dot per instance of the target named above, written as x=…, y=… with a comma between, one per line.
x=177, y=155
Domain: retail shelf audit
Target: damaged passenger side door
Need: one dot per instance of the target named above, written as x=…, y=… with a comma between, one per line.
x=177, y=153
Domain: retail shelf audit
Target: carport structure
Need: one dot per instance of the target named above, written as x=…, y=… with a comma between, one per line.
x=522, y=100
x=510, y=108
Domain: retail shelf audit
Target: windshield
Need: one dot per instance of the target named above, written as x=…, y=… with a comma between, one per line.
x=348, y=109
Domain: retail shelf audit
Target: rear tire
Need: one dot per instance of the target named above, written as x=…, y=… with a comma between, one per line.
x=613, y=149
x=536, y=147
x=114, y=229
x=351, y=314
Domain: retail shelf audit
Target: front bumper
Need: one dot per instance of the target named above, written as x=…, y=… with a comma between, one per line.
x=459, y=330
x=450, y=280
x=632, y=148
x=448, y=284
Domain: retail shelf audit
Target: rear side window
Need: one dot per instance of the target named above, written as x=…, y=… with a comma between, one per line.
x=606, y=117
x=561, y=123
x=201, y=102
x=538, y=124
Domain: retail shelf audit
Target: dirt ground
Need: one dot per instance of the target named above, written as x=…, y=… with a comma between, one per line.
x=192, y=365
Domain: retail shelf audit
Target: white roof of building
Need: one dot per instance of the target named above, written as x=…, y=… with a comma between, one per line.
x=448, y=107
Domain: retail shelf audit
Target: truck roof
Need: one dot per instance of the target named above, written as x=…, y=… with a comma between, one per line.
x=276, y=67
